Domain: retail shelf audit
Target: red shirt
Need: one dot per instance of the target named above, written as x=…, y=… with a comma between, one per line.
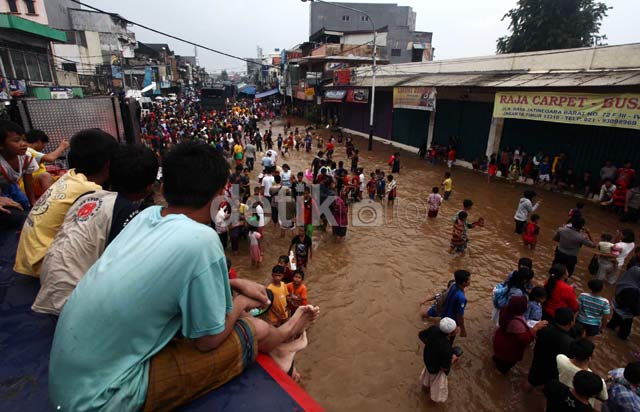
x=233, y=274
x=563, y=296
x=452, y=155
x=371, y=186
x=625, y=176
x=510, y=346
x=329, y=146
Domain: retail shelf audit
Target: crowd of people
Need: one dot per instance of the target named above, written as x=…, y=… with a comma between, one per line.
x=615, y=188
x=138, y=296
x=564, y=325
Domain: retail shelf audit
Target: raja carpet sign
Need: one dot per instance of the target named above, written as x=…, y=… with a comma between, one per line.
x=417, y=98
x=618, y=110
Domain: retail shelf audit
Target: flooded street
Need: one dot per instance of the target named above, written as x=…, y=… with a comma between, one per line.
x=364, y=353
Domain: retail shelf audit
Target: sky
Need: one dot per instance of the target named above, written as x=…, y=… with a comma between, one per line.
x=461, y=28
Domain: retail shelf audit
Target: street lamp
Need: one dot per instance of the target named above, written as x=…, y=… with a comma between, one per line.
x=373, y=66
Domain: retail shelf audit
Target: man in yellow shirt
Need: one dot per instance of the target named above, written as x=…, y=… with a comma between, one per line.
x=89, y=158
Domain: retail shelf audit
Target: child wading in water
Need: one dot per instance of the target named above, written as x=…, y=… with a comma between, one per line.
x=447, y=184
x=434, y=201
x=371, y=186
x=391, y=190
x=531, y=232
x=381, y=185
x=459, y=234
x=255, y=251
x=394, y=162
x=492, y=170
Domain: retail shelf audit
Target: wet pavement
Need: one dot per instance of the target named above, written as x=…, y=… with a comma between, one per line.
x=364, y=353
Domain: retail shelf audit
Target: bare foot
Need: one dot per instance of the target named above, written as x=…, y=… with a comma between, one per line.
x=303, y=317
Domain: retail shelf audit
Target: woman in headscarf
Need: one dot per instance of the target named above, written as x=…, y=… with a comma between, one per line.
x=513, y=335
x=626, y=304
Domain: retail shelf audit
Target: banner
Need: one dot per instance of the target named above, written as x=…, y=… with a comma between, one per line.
x=334, y=95
x=617, y=110
x=61, y=92
x=342, y=77
x=357, y=95
x=417, y=98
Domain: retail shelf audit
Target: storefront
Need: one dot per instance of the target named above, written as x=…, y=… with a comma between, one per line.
x=412, y=107
x=356, y=111
x=25, y=59
x=589, y=128
x=464, y=124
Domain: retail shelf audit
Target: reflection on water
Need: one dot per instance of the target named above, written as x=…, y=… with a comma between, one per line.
x=364, y=353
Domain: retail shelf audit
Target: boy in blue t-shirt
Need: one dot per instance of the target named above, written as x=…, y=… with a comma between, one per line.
x=115, y=347
x=455, y=301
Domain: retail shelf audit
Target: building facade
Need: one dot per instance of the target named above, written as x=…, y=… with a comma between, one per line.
x=96, y=50
x=581, y=104
x=331, y=17
x=26, y=65
x=396, y=37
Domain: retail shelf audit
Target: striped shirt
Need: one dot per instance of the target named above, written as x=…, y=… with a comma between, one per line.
x=592, y=308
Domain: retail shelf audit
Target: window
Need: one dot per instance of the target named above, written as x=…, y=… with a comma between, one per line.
x=45, y=67
x=13, y=6
x=416, y=55
x=17, y=57
x=32, y=66
x=345, y=18
x=31, y=7
x=82, y=38
x=71, y=37
x=69, y=67
x=396, y=52
x=364, y=18
x=6, y=63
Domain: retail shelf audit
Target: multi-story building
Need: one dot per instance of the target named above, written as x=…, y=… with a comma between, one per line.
x=397, y=39
x=96, y=49
x=331, y=17
x=25, y=55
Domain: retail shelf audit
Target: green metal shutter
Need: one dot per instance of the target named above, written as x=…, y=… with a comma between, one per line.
x=468, y=122
x=410, y=127
x=587, y=147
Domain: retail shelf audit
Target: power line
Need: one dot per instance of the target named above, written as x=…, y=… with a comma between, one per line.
x=170, y=35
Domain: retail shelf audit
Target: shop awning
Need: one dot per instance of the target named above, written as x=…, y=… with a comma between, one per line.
x=508, y=79
x=248, y=90
x=8, y=21
x=267, y=93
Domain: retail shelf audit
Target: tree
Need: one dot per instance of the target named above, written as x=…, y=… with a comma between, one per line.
x=224, y=76
x=552, y=24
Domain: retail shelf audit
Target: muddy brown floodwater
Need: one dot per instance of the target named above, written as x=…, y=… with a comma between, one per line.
x=364, y=353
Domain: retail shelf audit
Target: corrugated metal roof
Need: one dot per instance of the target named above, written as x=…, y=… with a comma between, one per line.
x=509, y=80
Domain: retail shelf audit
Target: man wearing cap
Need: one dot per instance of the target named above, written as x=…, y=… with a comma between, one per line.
x=438, y=357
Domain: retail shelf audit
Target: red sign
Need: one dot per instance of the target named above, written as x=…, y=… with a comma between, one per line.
x=293, y=55
x=357, y=96
x=342, y=77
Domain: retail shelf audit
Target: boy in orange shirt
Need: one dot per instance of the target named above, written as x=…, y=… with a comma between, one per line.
x=297, y=291
x=278, y=313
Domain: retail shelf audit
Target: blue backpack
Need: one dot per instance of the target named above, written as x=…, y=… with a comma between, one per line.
x=501, y=295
